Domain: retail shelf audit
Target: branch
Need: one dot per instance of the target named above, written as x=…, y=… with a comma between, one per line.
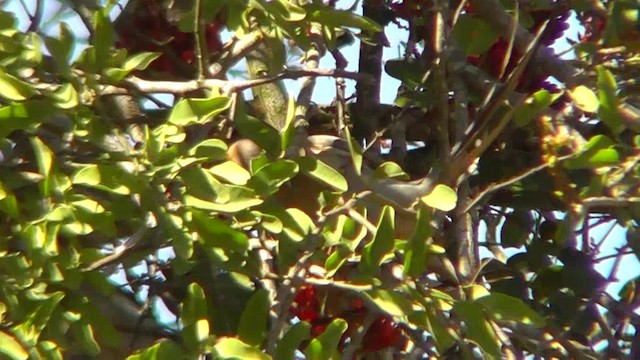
x=234, y=51
x=368, y=92
x=610, y=202
x=227, y=86
x=496, y=16
x=500, y=185
x=308, y=83
x=487, y=128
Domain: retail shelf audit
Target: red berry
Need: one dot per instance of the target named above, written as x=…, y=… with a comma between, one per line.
x=305, y=304
x=382, y=333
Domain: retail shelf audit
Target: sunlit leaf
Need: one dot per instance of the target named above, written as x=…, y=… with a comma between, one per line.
x=584, y=98
x=211, y=149
x=391, y=170
x=14, y=88
x=479, y=330
x=230, y=172
x=504, y=307
x=598, y=151
x=232, y=348
x=331, y=337
x=189, y=111
x=322, y=172
x=11, y=347
x=442, y=198
x=66, y=97
x=201, y=184
x=391, y=302
x=340, y=18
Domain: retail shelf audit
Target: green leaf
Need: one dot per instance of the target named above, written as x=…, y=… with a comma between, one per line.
x=231, y=172
x=211, y=149
x=163, y=349
x=516, y=229
x=195, y=306
x=192, y=111
x=217, y=233
x=181, y=238
x=201, y=184
x=61, y=49
x=391, y=303
x=268, y=222
x=241, y=199
x=504, y=307
x=598, y=151
x=382, y=244
x=8, y=21
x=256, y=130
x=253, y=323
x=39, y=318
x=416, y=249
x=86, y=338
x=355, y=150
x=433, y=324
x=44, y=156
x=479, y=330
x=442, y=198
x=322, y=172
x=313, y=350
x=290, y=342
x=584, y=98
x=409, y=72
x=340, y=18
x=533, y=106
x=296, y=223
x=391, y=170
x=609, y=101
x=23, y=115
x=474, y=35
x=330, y=338
x=32, y=48
x=105, y=177
x=65, y=97
x=14, y=89
x=103, y=37
x=232, y=348
x=138, y=61
x=286, y=10
x=335, y=261
x=268, y=179
x=289, y=130
x=11, y=347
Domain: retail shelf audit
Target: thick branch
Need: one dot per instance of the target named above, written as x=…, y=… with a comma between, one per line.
x=226, y=86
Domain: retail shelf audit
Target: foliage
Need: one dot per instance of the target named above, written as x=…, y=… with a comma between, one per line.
x=117, y=216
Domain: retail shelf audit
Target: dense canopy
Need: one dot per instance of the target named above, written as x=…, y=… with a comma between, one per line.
x=164, y=194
